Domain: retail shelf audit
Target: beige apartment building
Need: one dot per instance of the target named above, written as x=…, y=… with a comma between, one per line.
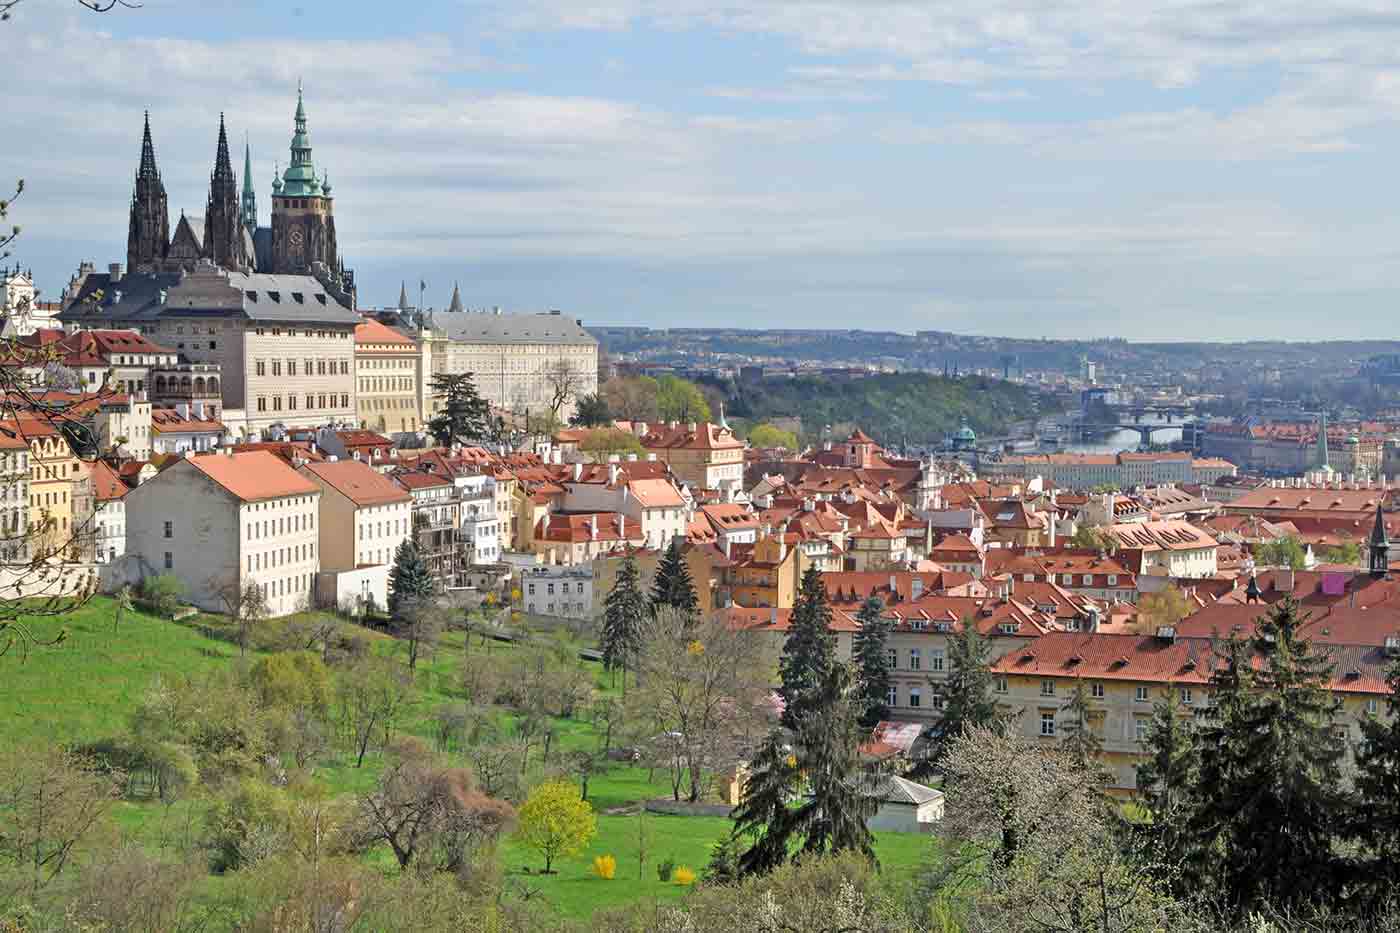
x=703, y=454
x=515, y=359
x=284, y=345
x=220, y=521
x=365, y=516
x=388, y=381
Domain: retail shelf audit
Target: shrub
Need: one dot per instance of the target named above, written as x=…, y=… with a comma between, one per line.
x=664, y=868
x=683, y=875
x=162, y=592
x=604, y=866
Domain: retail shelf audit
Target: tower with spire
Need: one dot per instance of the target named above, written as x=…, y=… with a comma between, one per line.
x=225, y=242
x=148, y=229
x=1378, y=546
x=248, y=200
x=303, y=220
x=1322, y=453
x=456, y=304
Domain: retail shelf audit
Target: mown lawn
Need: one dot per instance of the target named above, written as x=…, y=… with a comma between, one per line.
x=85, y=689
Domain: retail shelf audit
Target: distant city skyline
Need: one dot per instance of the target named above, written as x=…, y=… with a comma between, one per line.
x=1184, y=172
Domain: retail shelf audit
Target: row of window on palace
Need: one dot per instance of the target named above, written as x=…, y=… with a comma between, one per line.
x=384, y=384
x=385, y=364
x=271, y=527
x=311, y=367
x=549, y=589
x=312, y=402
x=385, y=404
x=280, y=557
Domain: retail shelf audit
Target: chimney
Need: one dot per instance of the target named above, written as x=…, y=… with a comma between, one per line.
x=578, y=472
x=773, y=616
x=622, y=527
x=114, y=272
x=613, y=472
x=894, y=583
x=593, y=527
x=726, y=544
x=692, y=427
x=916, y=587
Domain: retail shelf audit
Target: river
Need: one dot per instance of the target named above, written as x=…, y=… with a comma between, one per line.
x=1124, y=440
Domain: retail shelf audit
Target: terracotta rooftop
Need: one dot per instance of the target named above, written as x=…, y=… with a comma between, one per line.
x=370, y=331
x=358, y=482
x=254, y=476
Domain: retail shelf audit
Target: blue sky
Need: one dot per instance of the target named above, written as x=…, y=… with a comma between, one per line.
x=1167, y=170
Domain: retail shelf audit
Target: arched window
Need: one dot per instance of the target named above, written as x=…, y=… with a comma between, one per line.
x=185, y=385
x=199, y=385
x=160, y=385
x=213, y=385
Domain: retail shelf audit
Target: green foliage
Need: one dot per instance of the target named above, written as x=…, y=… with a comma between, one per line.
x=463, y=415
x=1269, y=749
x=1165, y=778
x=664, y=869
x=602, y=443
x=922, y=407
x=410, y=583
x=673, y=586
x=1094, y=539
x=291, y=680
x=966, y=693
x=1378, y=788
x=163, y=592
x=872, y=660
x=1081, y=741
x=1166, y=607
x=1280, y=552
x=556, y=821
x=766, y=435
x=624, y=612
x=591, y=411
x=247, y=826
x=680, y=400
x=809, y=651
x=1348, y=552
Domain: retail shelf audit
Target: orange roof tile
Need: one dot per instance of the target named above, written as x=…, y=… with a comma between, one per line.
x=254, y=476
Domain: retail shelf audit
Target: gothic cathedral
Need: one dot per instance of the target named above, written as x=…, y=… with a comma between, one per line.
x=300, y=241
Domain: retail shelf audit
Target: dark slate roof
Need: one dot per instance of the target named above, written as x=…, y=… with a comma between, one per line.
x=544, y=327
x=208, y=290
x=262, y=247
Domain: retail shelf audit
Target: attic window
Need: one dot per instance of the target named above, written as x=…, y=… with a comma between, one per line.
x=275, y=296
x=321, y=299
x=1076, y=659
x=252, y=296
x=299, y=298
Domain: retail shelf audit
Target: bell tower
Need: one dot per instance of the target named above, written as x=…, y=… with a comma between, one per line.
x=148, y=230
x=303, y=221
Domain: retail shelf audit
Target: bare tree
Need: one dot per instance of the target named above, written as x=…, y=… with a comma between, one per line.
x=246, y=602
x=632, y=399
x=564, y=382
x=96, y=6
x=370, y=697
x=706, y=683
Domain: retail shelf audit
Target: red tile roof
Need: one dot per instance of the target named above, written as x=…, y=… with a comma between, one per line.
x=370, y=331
x=254, y=476
x=358, y=482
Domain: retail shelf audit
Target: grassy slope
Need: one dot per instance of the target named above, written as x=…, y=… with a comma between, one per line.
x=84, y=689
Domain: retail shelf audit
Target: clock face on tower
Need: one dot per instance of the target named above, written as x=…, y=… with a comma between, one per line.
x=295, y=236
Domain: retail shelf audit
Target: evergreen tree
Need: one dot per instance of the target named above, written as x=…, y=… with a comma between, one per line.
x=1378, y=792
x=673, y=586
x=624, y=612
x=1081, y=741
x=463, y=415
x=410, y=583
x=966, y=694
x=1268, y=790
x=1165, y=778
x=591, y=411
x=813, y=794
x=872, y=660
x=809, y=652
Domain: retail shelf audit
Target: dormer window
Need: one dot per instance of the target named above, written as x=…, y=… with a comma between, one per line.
x=298, y=297
x=275, y=296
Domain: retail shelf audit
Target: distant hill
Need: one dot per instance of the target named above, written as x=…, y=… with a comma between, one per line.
x=894, y=408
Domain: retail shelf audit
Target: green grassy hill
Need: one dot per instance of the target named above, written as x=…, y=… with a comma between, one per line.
x=85, y=688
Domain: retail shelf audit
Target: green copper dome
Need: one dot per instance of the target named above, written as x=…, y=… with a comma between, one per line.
x=299, y=180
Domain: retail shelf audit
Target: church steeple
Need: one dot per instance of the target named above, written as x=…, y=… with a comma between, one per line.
x=303, y=223
x=403, y=296
x=248, y=203
x=223, y=227
x=1378, y=547
x=1322, y=453
x=456, y=305
x=148, y=229
x=299, y=181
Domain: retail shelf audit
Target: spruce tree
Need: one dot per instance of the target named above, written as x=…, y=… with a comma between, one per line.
x=410, y=583
x=965, y=693
x=673, y=586
x=1081, y=741
x=1378, y=793
x=1165, y=779
x=872, y=660
x=624, y=612
x=1269, y=786
x=463, y=415
x=820, y=769
x=809, y=652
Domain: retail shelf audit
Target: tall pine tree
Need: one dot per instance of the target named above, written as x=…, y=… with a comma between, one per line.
x=624, y=612
x=870, y=653
x=1378, y=792
x=410, y=583
x=1081, y=740
x=809, y=652
x=965, y=692
x=1166, y=777
x=462, y=414
x=673, y=586
x=1269, y=787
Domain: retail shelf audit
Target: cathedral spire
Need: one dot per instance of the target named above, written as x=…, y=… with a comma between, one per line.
x=1322, y=453
x=299, y=180
x=224, y=240
x=248, y=203
x=223, y=165
x=148, y=228
x=148, y=153
x=456, y=305
x=403, y=296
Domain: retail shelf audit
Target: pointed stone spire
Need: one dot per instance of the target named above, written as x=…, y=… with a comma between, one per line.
x=223, y=165
x=223, y=227
x=1378, y=546
x=148, y=154
x=456, y=305
x=299, y=180
x=403, y=296
x=249, y=202
x=1322, y=457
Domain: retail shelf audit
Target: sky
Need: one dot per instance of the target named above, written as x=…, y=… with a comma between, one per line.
x=1148, y=169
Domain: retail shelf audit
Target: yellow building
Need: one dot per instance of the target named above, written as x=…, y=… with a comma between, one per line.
x=60, y=491
x=766, y=574
x=704, y=455
x=387, y=379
